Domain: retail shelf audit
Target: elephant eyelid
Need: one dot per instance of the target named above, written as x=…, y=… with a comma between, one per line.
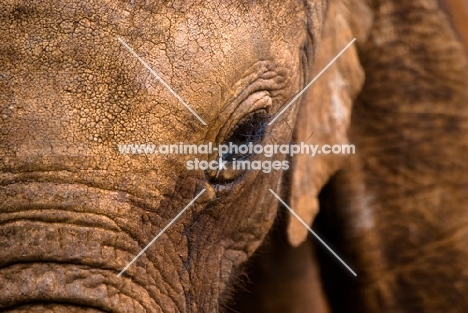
x=251, y=129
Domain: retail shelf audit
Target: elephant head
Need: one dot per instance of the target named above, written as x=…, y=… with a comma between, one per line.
x=75, y=211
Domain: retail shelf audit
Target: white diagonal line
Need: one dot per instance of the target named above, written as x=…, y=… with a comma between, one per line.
x=313, y=233
x=161, y=232
x=313, y=80
x=161, y=80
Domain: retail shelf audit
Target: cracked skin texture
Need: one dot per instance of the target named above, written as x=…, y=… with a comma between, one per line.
x=74, y=212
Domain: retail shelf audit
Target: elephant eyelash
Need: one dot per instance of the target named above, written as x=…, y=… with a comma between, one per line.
x=251, y=129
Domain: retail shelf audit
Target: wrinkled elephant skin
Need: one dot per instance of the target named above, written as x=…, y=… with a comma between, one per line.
x=74, y=211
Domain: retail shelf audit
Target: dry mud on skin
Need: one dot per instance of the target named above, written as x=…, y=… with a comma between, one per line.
x=74, y=212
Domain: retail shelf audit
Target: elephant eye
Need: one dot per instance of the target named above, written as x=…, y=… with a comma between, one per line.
x=250, y=130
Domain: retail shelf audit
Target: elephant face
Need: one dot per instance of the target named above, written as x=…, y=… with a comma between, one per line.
x=75, y=211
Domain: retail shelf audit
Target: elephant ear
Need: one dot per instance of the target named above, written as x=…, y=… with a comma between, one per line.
x=403, y=196
x=323, y=116
x=402, y=200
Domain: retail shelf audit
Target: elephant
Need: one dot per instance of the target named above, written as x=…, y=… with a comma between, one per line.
x=457, y=11
x=79, y=218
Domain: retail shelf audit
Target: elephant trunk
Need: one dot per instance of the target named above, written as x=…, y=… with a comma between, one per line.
x=62, y=246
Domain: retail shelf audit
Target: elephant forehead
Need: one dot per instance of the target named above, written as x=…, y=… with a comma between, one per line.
x=69, y=88
x=206, y=49
x=201, y=49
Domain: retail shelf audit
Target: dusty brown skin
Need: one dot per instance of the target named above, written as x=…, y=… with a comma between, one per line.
x=74, y=211
x=396, y=210
x=457, y=10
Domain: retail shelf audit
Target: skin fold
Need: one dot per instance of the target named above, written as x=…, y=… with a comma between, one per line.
x=74, y=211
